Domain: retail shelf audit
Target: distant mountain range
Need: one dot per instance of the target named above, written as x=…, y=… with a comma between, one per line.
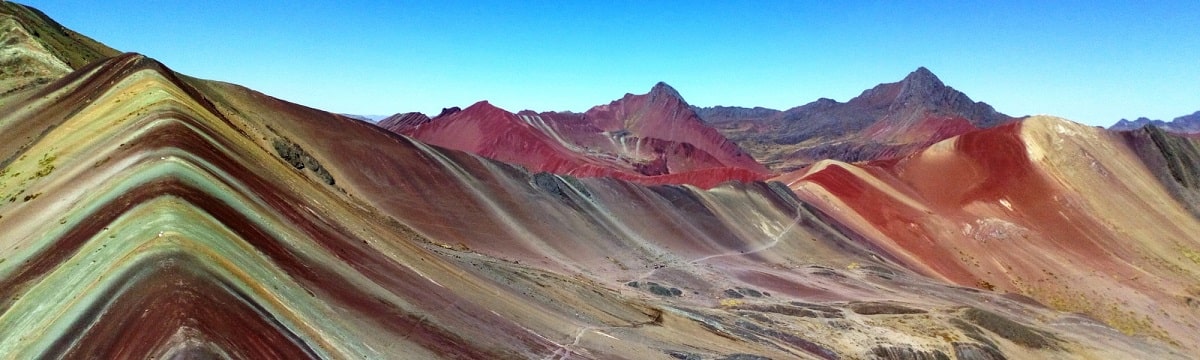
x=1187, y=124
x=658, y=134
x=886, y=121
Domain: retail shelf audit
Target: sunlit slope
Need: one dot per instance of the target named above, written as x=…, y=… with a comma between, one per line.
x=1067, y=214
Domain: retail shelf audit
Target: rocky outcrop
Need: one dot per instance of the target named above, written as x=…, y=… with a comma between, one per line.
x=906, y=353
x=971, y=351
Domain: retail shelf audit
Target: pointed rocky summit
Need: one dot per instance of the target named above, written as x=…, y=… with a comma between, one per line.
x=885, y=121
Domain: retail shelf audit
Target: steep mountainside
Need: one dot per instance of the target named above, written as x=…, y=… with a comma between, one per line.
x=147, y=214
x=1174, y=160
x=1187, y=124
x=886, y=121
x=653, y=138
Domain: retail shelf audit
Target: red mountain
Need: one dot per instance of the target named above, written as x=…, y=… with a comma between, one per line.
x=652, y=138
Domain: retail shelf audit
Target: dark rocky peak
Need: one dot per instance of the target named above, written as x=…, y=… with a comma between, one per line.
x=922, y=92
x=922, y=77
x=663, y=92
x=920, y=85
x=925, y=87
x=449, y=111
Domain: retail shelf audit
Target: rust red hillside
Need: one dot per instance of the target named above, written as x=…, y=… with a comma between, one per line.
x=653, y=138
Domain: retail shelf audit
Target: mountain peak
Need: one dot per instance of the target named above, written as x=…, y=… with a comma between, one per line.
x=920, y=85
x=923, y=76
x=662, y=89
x=484, y=108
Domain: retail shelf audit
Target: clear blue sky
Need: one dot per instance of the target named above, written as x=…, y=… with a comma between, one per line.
x=1090, y=61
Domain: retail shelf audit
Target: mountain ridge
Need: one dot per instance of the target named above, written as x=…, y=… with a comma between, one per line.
x=887, y=120
x=1187, y=124
x=652, y=137
x=70, y=47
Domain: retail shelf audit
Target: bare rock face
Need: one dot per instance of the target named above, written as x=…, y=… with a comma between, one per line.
x=447, y=112
x=886, y=121
x=895, y=352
